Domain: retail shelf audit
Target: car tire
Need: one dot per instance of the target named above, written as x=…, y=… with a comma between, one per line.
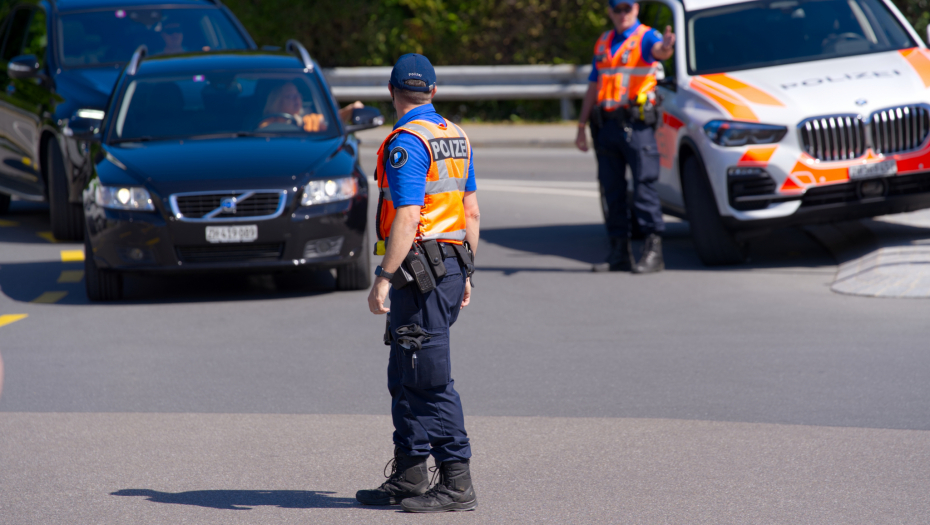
x=4, y=203
x=101, y=285
x=67, y=218
x=714, y=243
x=357, y=275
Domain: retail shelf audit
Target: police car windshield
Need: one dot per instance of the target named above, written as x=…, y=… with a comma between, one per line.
x=761, y=34
x=96, y=38
x=216, y=104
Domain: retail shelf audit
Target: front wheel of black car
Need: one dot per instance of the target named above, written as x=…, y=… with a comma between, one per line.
x=101, y=285
x=67, y=218
x=715, y=245
x=357, y=275
x=4, y=203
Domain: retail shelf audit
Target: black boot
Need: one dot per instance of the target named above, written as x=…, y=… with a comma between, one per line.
x=652, y=260
x=619, y=259
x=453, y=492
x=409, y=477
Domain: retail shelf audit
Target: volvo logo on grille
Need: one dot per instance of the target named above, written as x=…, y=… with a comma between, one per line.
x=228, y=205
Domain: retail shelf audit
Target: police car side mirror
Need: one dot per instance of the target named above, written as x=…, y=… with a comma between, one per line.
x=23, y=66
x=364, y=118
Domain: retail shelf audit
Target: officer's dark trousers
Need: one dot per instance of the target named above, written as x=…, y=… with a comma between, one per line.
x=426, y=409
x=614, y=152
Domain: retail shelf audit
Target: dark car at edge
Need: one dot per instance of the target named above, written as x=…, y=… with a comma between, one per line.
x=59, y=61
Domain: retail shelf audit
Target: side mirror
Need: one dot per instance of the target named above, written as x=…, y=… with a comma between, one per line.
x=83, y=128
x=23, y=66
x=669, y=83
x=364, y=118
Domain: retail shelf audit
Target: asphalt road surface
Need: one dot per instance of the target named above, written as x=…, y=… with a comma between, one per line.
x=751, y=394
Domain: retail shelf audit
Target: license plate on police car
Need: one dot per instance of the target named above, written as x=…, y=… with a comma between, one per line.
x=870, y=171
x=244, y=233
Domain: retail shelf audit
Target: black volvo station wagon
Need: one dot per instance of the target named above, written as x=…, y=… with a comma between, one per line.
x=226, y=161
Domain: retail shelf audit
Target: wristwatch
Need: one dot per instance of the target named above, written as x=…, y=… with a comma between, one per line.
x=381, y=272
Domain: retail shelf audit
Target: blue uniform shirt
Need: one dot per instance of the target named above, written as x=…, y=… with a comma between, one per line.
x=408, y=180
x=649, y=40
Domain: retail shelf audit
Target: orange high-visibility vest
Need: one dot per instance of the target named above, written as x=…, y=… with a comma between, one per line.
x=442, y=216
x=623, y=76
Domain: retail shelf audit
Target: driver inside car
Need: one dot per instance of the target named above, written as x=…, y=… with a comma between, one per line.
x=285, y=105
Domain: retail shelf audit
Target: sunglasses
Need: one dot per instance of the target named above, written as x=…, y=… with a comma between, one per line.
x=623, y=9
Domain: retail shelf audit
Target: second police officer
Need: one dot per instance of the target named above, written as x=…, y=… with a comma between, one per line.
x=428, y=216
x=621, y=93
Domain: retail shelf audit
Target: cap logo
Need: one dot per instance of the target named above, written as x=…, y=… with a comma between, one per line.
x=414, y=75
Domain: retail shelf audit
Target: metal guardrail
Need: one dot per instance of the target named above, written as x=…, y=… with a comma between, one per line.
x=564, y=82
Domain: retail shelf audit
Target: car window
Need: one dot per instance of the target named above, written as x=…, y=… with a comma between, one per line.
x=18, y=28
x=110, y=37
x=659, y=16
x=217, y=103
x=37, y=37
x=768, y=33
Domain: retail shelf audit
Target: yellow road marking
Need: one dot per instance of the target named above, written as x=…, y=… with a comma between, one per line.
x=71, y=276
x=11, y=318
x=72, y=255
x=50, y=297
x=47, y=236
x=153, y=242
x=8, y=223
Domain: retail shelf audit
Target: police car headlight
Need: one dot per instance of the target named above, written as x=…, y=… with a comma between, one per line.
x=329, y=190
x=729, y=133
x=124, y=198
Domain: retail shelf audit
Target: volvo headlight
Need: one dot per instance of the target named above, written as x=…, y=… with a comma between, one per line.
x=731, y=133
x=124, y=198
x=94, y=114
x=329, y=190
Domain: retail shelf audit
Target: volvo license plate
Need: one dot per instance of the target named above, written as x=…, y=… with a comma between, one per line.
x=244, y=233
x=870, y=171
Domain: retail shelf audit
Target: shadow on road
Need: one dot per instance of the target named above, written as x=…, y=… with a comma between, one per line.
x=23, y=221
x=246, y=499
x=26, y=282
x=588, y=243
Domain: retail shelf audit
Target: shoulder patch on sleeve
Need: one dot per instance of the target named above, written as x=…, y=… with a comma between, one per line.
x=398, y=157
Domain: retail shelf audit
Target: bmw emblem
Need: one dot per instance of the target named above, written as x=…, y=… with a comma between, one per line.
x=862, y=102
x=228, y=205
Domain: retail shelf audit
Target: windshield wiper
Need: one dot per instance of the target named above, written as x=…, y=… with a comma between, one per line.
x=230, y=135
x=145, y=138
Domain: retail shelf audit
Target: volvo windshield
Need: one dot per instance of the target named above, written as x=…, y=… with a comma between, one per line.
x=761, y=34
x=221, y=104
x=95, y=38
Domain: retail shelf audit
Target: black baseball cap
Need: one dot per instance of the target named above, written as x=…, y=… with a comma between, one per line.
x=413, y=67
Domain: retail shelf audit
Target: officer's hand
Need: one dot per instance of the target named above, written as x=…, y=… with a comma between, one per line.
x=467, y=298
x=668, y=39
x=377, y=296
x=581, y=141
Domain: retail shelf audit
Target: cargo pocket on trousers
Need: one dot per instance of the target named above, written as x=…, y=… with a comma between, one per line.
x=429, y=367
x=650, y=163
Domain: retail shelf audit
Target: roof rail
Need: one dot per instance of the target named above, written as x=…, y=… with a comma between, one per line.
x=295, y=47
x=136, y=59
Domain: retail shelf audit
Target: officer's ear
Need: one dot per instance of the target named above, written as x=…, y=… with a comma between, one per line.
x=433, y=92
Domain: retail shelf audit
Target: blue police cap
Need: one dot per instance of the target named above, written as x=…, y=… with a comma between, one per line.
x=615, y=3
x=413, y=67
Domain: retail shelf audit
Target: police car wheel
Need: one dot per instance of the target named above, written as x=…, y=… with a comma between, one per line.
x=357, y=275
x=714, y=243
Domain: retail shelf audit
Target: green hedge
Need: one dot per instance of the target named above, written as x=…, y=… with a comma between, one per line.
x=451, y=32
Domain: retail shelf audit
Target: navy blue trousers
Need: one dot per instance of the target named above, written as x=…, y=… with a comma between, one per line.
x=615, y=149
x=425, y=407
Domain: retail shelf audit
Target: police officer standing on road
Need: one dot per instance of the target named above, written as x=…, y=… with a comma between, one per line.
x=428, y=217
x=622, y=86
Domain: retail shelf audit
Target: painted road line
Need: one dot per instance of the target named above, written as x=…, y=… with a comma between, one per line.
x=49, y=297
x=71, y=276
x=72, y=255
x=11, y=318
x=47, y=236
x=6, y=223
